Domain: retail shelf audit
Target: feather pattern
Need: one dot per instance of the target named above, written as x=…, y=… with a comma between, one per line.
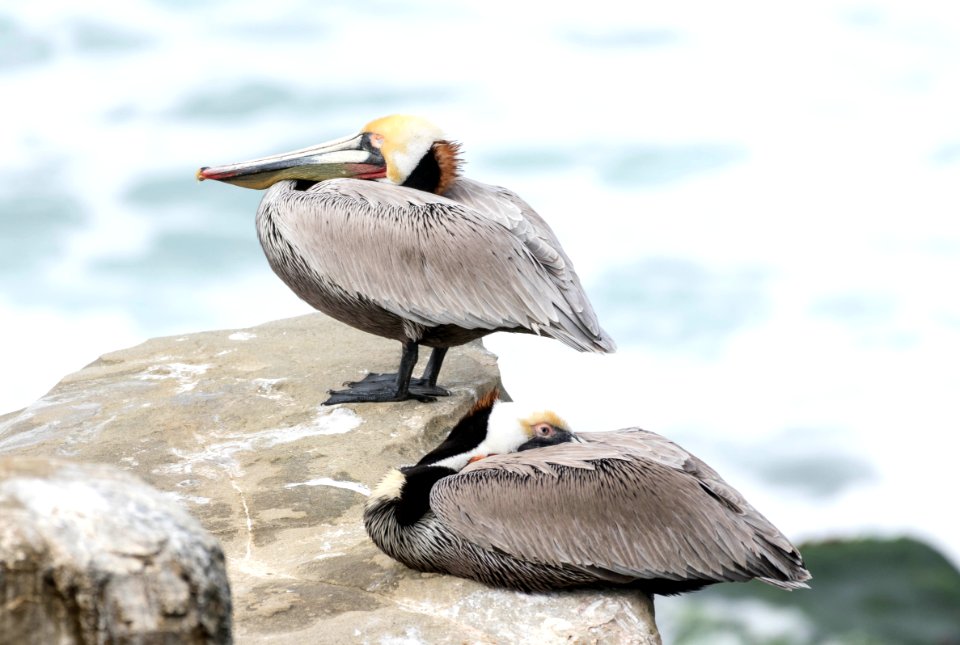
x=619, y=506
x=412, y=265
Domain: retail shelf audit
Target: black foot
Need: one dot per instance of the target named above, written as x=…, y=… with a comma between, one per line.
x=417, y=385
x=420, y=386
x=382, y=390
x=379, y=396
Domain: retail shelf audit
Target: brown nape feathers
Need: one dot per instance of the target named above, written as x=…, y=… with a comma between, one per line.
x=448, y=158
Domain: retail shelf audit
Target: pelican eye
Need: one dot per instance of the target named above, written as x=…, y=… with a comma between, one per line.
x=544, y=430
x=373, y=141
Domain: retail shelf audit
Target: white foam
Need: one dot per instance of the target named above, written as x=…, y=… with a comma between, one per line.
x=356, y=487
x=220, y=448
x=186, y=375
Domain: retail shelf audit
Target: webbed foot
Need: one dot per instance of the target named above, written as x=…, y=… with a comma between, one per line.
x=375, y=395
x=420, y=386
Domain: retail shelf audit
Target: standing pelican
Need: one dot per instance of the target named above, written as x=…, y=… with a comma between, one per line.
x=379, y=231
x=517, y=500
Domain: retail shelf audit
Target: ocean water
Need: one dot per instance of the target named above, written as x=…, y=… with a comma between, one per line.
x=762, y=201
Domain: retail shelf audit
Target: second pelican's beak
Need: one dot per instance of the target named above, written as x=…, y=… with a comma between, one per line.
x=355, y=156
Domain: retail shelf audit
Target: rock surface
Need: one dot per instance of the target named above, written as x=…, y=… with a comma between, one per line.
x=91, y=554
x=231, y=423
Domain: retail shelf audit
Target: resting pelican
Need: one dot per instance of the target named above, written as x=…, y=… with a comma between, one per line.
x=514, y=499
x=379, y=231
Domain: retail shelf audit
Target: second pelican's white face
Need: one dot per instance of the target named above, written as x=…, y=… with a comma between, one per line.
x=510, y=426
x=513, y=424
x=505, y=432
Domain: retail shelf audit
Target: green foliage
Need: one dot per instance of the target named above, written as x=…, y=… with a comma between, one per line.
x=863, y=591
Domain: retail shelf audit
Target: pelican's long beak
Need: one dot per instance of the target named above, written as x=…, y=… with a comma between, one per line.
x=352, y=156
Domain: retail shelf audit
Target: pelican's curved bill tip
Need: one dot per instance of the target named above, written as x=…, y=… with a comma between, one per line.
x=209, y=172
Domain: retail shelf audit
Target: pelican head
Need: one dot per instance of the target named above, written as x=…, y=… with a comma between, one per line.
x=497, y=428
x=398, y=149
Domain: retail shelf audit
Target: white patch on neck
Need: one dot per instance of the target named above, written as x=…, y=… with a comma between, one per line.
x=458, y=462
x=505, y=433
x=390, y=486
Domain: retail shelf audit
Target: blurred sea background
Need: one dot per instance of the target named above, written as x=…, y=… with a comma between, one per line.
x=762, y=200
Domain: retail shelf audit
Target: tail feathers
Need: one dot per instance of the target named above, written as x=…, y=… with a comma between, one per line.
x=573, y=333
x=787, y=567
x=789, y=585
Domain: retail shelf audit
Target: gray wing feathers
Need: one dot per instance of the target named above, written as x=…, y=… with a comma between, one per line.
x=515, y=214
x=437, y=261
x=621, y=504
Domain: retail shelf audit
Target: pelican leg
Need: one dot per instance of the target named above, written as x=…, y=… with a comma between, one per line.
x=425, y=385
x=378, y=388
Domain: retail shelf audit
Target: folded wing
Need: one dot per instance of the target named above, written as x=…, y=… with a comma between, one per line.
x=622, y=505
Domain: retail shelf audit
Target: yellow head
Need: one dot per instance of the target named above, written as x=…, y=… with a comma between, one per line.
x=403, y=141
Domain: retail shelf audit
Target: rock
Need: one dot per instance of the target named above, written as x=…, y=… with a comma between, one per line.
x=91, y=554
x=231, y=423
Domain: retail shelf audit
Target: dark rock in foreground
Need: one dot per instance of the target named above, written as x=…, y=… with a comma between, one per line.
x=91, y=554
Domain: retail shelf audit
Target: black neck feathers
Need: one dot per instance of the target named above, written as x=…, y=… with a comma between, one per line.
x=465, y=436
x=303, y=184
x=426, y=176
x=414, y=499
